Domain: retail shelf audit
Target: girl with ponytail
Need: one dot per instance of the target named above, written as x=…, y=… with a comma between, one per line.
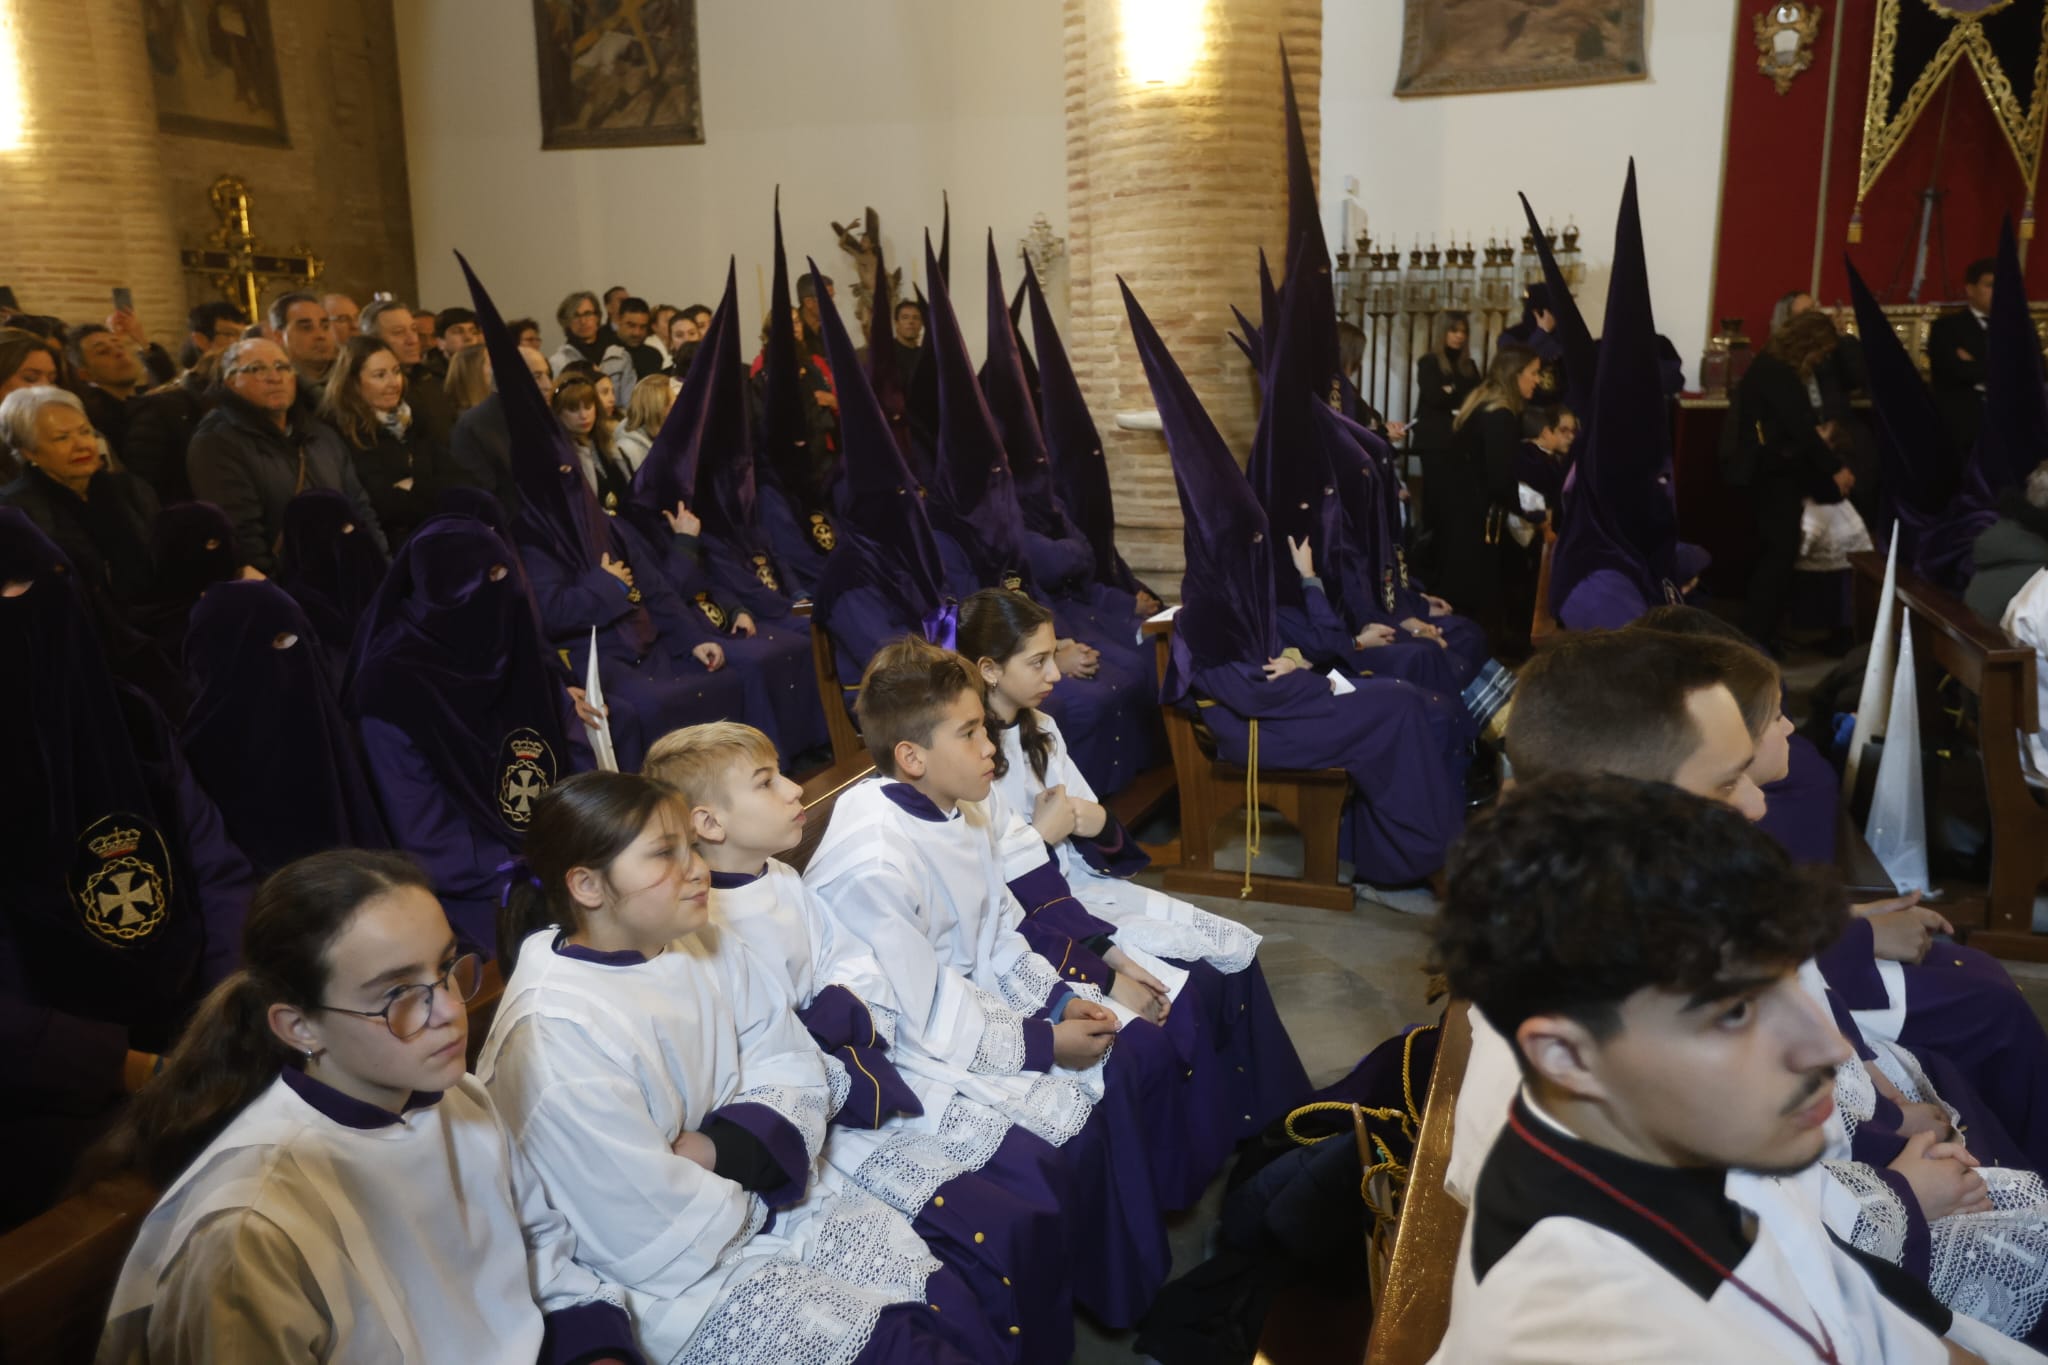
x=669, y=1099
x=328, y=1162
x=1010, y=639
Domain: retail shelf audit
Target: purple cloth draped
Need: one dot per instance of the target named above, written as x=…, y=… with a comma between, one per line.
x=1802, y=807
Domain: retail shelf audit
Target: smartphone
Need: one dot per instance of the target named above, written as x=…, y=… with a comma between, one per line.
x=124, y=299
x=7, y=299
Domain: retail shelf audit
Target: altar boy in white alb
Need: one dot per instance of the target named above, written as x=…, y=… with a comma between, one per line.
x=911, y=867
x=1655, y=1193
x=985, y=1194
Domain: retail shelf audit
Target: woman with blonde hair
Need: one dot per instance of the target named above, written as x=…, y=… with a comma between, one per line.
x=646, y=410
x=469, y=379
x=402, y=466
x=1472, y=504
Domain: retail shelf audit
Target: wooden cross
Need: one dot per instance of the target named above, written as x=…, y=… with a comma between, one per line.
x=237, y=265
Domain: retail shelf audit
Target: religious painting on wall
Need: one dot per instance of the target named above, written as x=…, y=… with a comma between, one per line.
x=1465, y=47
x=618, y=73
x=213, y=64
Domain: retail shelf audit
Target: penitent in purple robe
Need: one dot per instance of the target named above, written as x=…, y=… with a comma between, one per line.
x=1605, y=599
x=1802, y=808
x=1325, y=641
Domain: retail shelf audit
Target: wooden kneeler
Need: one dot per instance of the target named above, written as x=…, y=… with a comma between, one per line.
x=1312, y=799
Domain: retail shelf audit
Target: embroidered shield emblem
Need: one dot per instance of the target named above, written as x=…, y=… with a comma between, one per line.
x=1013, y=581
x=765, y=571
x=713, y=613
x=121, y=879
x=821, y=531
x=526, y=768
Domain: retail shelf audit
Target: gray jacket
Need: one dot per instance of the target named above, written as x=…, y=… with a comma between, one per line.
x=2008, y=552
x=243, y=464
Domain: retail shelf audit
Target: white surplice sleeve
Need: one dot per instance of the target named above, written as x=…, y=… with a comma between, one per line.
x=646, y=1218
x=780, y=1065
x=939, y=1009
x=237, y=1290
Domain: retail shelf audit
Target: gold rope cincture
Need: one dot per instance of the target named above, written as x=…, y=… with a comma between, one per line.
x=1408, y=1116
x=1252, y=825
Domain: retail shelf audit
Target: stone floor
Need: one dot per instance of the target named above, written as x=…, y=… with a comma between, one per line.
x=1343, y=982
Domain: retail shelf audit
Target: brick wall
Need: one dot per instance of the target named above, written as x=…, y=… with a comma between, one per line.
x=93, y=196
x=1176, y=189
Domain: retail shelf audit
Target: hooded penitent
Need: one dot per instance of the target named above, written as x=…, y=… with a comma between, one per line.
x=330, y=565
x=257, y=670
x=1574, y=342
x=1072, y=445
x=973, y=496
x=2014, y=436
x=1620, y=517
x=1937, y=494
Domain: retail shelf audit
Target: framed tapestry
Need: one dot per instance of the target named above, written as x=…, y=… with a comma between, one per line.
x=618, y=73
x=1465, y=47
x=213, y=64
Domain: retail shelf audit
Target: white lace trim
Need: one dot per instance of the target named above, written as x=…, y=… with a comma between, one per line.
x=1028, y=983
x=785, y=1313
x=884, y=1020
x=838, y=1081
x=866, y=1243
x=805, y=1107
x=1055, y=1108
x=1881, y=1218
x=1994, y=1266
x=1000, y=1049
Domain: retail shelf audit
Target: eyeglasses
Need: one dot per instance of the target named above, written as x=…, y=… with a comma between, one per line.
x=410, y=1008
x=275, y=367
x=584, y=313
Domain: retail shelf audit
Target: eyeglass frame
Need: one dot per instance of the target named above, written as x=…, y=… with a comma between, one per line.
x=274, y=367
x=446, y=981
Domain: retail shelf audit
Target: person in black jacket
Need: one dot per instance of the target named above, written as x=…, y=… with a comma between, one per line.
x=260, y=448
x=1472, y=503
x=1955, y=357
x=1781, y=408
x=98, y=516
x=402, y=465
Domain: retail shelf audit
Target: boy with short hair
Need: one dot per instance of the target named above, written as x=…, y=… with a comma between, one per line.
x=984, y=1194
x=1655, y=1193
x=912, y=868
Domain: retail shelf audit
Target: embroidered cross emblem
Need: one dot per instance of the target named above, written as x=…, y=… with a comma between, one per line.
x=120, y=905
x=521, y=788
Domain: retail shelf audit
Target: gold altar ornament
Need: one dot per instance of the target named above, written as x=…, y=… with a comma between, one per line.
x=1785, y=34
x=237, y=264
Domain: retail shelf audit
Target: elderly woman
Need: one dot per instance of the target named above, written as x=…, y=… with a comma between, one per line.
x=582, y=320
x=258, y=450
x=98, y=516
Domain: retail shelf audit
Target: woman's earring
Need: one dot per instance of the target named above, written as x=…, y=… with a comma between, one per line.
x=309, y=1054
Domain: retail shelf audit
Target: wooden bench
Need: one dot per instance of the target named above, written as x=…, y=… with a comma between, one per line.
x=1950, y=638
x=1414, y=1306
x=846, y=745
x=57, y=1271
x=1210, y=789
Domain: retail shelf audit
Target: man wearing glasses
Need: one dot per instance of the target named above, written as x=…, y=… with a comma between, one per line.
x=256, y=452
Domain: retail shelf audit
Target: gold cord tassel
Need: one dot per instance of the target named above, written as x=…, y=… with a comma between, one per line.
x=1252, y=825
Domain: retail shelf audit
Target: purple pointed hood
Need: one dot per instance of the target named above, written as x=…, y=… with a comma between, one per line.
x=884, y=538
x=881, y=366
x=1308, y=253
x=557, y=509
x=973, y=496
x=1289, y=469
x=784, y=440
x=1581, y=354
x=1007, y=391
x=1621, y=515
x=921, y=404
x=1073, y=445
x=1937, y=496
x=1227, y=612
x=703, y=455
x=2013, y=438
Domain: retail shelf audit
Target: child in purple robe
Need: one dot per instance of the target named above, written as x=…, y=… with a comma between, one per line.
x=984, y=1193
x=1246, y=1061
x=912, y=867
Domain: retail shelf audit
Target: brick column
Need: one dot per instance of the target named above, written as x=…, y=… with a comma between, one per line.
x=1176, y=187
x=83, y=199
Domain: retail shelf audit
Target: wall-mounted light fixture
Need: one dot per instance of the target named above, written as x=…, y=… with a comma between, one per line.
x=1784, y=40
x=1162, y=39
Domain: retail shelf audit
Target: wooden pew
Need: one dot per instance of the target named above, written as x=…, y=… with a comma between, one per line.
x=846, y=745
x=1415, y=1305
x=57, y=1271
x=1312, y=799
x=1950, y=638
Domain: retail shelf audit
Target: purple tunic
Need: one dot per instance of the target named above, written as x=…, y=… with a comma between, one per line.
x=1803, y=806
x=1605, y=599
x=1399, y=744
x=1315, y=630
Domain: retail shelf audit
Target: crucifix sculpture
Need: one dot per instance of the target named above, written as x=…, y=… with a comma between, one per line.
x=237, y=265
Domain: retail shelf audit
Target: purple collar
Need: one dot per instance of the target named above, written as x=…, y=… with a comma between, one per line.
x=347, y=1110
x=623, y=957
x=733, y=881
x=914, y=802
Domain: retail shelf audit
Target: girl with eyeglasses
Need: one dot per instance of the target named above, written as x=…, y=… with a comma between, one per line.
x=337, y=1188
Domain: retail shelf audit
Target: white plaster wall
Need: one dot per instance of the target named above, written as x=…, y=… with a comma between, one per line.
x=1453, y=163
x=877, y=102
